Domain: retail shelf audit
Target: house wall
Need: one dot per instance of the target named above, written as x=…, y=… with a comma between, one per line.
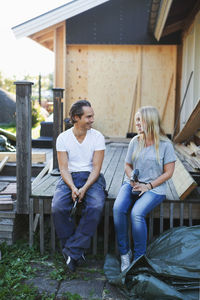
x=117, y=79
x=116, y=22
x=190, y=62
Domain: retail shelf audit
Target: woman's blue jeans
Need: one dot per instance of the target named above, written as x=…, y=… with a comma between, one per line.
x=139, y=207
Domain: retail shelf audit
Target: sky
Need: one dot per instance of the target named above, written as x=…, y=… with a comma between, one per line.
x=16, y=55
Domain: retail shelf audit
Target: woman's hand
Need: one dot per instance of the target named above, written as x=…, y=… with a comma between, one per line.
x=141, y=187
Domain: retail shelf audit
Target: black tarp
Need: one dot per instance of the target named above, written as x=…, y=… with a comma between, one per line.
x=169, y=270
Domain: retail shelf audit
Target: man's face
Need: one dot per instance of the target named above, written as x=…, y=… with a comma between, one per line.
x=87, y=119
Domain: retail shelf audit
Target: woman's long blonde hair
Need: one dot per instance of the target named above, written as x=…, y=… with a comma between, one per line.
x=152, y=129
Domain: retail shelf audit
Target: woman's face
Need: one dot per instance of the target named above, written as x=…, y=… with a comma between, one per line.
x=138, y=123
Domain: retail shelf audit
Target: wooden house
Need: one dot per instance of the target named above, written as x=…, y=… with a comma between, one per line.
x=122, y=54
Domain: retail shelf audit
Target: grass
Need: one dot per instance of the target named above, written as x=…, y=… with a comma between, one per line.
x=14, y=268
x=12, y=128
x=20, y=263
x=17, y=265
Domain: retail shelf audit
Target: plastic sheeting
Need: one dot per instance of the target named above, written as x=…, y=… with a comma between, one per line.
x=169, y=270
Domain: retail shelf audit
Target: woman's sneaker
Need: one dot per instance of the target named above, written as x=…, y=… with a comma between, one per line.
x=130, y=254
x=125, y=262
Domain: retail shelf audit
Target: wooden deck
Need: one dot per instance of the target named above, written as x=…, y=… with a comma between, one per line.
x=113, y=170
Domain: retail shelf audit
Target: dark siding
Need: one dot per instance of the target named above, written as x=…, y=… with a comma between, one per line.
x=114, y=22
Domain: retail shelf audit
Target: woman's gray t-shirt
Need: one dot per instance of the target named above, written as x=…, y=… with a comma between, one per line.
x=147, y=163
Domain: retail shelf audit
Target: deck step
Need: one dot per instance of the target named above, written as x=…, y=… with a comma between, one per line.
x=10, y=189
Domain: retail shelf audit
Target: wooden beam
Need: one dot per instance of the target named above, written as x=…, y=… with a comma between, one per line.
x=36, y=156
x=182, y=180
x=173, y=28
x=191, y=126
x=59, y=50
x=36, y=35
x=45, y=37
x=3, y=162
x=190, y=18
x=162, y=17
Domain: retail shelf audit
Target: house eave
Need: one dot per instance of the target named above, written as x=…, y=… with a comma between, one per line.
x=162, y=17
x=54, y=16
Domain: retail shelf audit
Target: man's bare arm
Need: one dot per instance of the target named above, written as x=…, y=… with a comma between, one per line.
x=66, y=176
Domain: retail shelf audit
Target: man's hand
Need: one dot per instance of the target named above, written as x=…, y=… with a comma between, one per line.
x=82, y=192
x=75, y=193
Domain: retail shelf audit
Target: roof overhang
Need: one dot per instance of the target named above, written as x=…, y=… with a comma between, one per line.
x=162, y=17
x=171, y=16
x=54, y=17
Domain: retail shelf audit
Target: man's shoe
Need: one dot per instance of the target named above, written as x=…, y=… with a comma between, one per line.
x=81, y=261
x=71, y=264
x=125, y=261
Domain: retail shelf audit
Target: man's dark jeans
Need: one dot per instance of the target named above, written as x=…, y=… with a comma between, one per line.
x=77, y=239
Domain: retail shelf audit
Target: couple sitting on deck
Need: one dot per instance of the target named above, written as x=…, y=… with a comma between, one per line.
x=149, y=164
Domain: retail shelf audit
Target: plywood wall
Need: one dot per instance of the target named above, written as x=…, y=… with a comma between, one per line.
x=119, y=79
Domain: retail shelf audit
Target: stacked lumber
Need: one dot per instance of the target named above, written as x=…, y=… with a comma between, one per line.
x=7, y=221
x=191, y=154
x=7, y=197
x=7, y=211
x=37, y=157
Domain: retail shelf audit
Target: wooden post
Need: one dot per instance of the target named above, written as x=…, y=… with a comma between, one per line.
x=57, y=120
x=23, y=144
x=39, y=89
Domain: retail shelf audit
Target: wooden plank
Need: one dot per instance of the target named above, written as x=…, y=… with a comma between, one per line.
x=53, y=240
x=3, y=163
x=36, y=220
x=191, y=126
x=6, y=234
x=171, y=217
x=5, y=227
x=171, y=191
x=36, y=156
x=109, y=152
x=6, y=205
x=181, y=176
x=3, y=185
x=106, y=227
x=109, y=173
x=41, y=209
x=166, y=210
x=31, y=222
x=190, y=214
x=41, y=174
x=11, y=189
x=46, y=187
x=181, y=213
x=150, y=225
x=118, y=176
x=187, y=154
x=161, y=217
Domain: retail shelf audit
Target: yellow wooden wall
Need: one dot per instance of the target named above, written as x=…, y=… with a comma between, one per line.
x=117, y=79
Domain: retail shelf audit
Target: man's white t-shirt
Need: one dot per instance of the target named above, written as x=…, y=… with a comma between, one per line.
x=80, y=155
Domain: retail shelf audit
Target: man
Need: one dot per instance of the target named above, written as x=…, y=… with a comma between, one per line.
x=80, y=152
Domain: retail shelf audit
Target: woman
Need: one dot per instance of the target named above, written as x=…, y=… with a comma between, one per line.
x=152, y=159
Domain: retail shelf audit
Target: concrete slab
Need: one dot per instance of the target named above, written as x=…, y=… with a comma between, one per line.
x=91, y=289
x=43, y=285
